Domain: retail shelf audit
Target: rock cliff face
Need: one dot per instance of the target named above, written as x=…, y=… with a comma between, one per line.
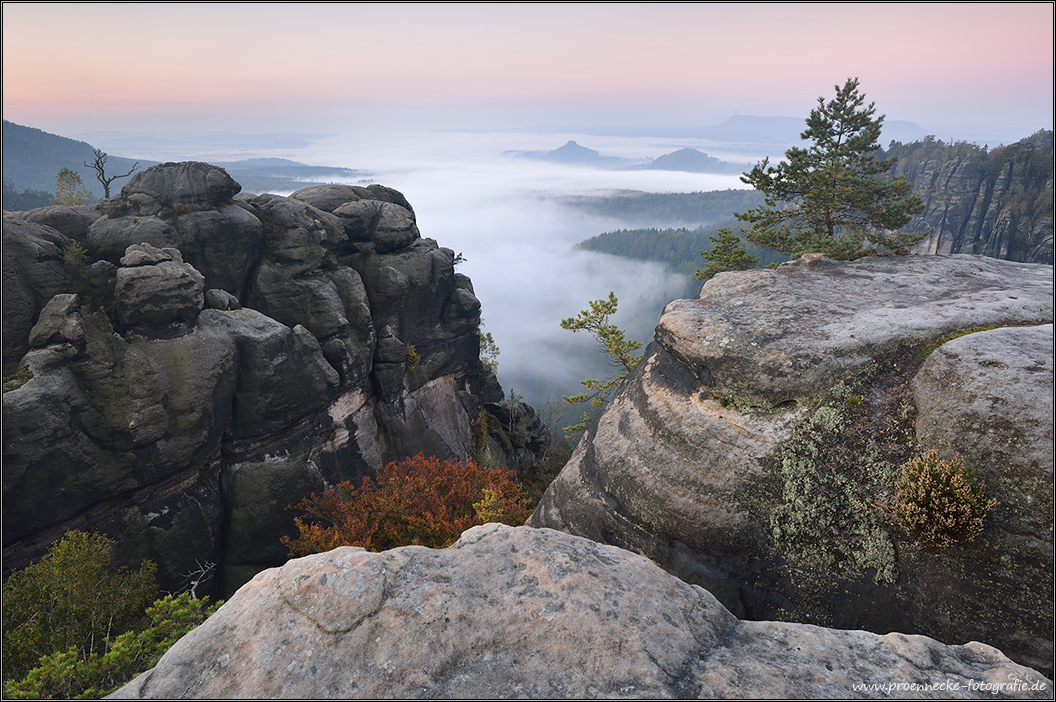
x=755, y=449
x=194, y=359
x=996, y=203
x=518, y=612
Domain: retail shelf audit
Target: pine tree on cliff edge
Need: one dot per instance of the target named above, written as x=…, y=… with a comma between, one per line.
x=833, y=197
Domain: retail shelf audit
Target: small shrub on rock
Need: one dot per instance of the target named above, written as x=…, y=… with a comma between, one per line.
x=418, y=501
x=937, y=503
x=17, y=380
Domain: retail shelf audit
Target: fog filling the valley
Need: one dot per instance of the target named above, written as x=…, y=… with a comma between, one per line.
x=503, y=214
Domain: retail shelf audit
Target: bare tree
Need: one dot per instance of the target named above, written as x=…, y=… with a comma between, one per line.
x=195, y=577
x=99, y=165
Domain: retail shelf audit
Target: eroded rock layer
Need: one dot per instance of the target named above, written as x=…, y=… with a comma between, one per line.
x=756, y=448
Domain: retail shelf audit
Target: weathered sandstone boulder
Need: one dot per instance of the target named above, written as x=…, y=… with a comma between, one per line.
x=389, y=227
x=988, y=397
x=755, y=449
x=193, y=184
x=155, y=287
x=764, y=338
x=520, y=612
x=330, y=197
x=34, y=271
x=72, y=221
x=59, y=323
x=186, y=206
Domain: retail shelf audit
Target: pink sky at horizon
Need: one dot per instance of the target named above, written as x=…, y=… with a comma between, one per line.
x=447, y=65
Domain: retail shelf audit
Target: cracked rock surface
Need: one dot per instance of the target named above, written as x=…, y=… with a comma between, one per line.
x=522, y=612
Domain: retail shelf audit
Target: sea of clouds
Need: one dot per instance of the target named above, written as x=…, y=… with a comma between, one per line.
x=506, y=217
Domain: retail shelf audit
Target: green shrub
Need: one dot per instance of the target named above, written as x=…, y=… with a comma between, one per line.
x=77, y=253
x=69, y=675
x=937, y=503
x=72, y=599
x=117, y=209
x=413, y=359
x=17, y=380
x=174, y=211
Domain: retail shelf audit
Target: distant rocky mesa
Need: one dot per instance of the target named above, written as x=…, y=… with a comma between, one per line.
x=755, y=449
x=186, y=360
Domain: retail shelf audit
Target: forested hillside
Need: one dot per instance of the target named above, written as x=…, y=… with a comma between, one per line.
x=678, y=248
x=32, y=158
x=636, y=207
x=994, y=202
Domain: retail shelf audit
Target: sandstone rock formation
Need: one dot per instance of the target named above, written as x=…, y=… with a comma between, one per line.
x=198, y=359
x=996, y=203
x=755, y=449
x=519, y=612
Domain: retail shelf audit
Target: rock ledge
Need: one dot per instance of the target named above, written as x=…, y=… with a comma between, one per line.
x=522, y=612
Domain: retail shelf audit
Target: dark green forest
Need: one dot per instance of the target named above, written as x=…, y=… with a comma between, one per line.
x=28, y=199
x=636, y=207
x=679, y=249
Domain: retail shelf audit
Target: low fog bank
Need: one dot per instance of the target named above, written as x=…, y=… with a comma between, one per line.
x=504, y=215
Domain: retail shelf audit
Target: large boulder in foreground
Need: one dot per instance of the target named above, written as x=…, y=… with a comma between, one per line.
x=755, y=449
x=520, y=612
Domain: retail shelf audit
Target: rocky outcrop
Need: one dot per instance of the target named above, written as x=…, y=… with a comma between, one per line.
x=35, y=270
x=73, y=221
x=201, y=359
x=755, y=449
x=995, y=203
x=154, y=287
x=518, y=612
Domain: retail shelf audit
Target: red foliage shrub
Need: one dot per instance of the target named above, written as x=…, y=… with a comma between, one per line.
x=418, y=501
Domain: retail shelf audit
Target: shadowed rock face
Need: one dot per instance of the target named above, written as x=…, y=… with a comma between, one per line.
x=755, y=449
x=215, y=357
x=977, y=205
x=519, y=612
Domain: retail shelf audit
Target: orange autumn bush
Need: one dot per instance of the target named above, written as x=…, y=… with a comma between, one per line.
x=417, y=501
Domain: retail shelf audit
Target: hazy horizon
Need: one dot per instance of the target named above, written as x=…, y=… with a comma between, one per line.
x=426, y=98
x=331, y=68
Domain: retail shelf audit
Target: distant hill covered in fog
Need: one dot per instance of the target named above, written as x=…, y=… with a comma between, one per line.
x=33, y=158
x=687, y=159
